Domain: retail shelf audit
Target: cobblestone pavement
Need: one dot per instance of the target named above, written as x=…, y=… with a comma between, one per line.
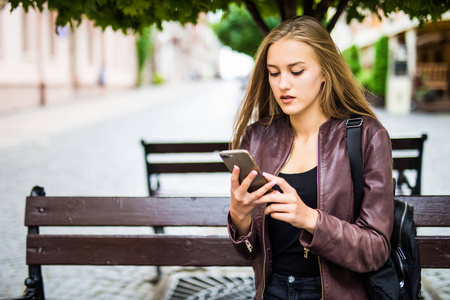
x=92, y=148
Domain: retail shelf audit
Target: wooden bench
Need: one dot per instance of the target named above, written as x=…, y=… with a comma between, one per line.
x=166, y=250
x=408, y=154
x=172, y=166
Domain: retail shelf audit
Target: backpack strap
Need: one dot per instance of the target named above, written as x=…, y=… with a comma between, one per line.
x=355, y=155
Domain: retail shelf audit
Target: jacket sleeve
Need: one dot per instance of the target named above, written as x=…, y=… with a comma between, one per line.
x=363, y=246
x=246, y=246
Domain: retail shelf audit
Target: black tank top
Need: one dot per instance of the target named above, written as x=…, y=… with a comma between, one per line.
x=288, y=253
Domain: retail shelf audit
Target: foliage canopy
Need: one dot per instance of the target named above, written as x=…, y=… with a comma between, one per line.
x=136, y=15
x=237, y=30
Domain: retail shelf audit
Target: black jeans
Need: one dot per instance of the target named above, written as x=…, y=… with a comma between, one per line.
x=293, y=288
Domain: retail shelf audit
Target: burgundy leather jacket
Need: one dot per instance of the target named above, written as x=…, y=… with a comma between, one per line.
x=345, y=247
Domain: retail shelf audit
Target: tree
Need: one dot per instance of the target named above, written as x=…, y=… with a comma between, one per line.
x=237, y=30
x=136, y=15
x=351, y=55
x=380, y=71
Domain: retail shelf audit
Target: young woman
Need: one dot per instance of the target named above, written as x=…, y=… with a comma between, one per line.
x=301, y=237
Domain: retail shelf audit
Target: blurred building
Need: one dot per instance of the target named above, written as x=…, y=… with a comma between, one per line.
x=42, y=64
x=419, y=58
x=189, y=52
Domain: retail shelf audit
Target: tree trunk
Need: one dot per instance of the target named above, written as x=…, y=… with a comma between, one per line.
x=339, y=9
x=291, y=8
x=308, y=7
x=253, y=10
x=288, y=9
x=281, y=9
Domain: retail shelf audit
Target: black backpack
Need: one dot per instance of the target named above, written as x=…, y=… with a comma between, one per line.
x=400, y=276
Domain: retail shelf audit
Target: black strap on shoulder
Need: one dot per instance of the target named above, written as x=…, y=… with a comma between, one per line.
x=355, y=155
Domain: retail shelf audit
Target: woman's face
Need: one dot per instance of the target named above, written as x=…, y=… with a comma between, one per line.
x=294, y=76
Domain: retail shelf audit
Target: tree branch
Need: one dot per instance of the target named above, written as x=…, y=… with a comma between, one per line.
x=307, y=7
x=291, y=8
x=339, y=9
x=322, y=9
x=253, y=10
x=281, y=9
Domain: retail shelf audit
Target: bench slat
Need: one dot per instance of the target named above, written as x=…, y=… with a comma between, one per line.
x=194, y=167
x=408, y=143
x=126, y=211
x=405, y=163
x=132, y=250
x=171, y=251
x=184, y=147
x=430, y=211
x=177, y=211
x=434, y=251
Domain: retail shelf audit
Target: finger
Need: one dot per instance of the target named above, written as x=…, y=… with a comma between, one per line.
x=280, y=216
x=285, y=187
x=278, y=208
x=249, y=179
x=235, y=177
x=263, y=190
x=270, y=197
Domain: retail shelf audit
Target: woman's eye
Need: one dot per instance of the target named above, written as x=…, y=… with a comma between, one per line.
x=275, y=74
x=297, y=73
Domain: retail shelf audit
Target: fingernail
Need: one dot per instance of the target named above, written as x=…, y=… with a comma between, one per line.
x=274, y=182
x=264, y=174
x=235, y=167
x=254, y=172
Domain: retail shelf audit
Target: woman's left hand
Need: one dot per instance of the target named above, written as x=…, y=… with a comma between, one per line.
x=288, y=206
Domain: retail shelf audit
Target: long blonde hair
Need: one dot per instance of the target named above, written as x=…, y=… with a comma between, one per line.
x=340, y=95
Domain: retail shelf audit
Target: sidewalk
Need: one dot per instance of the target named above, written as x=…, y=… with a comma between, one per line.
x=91, y=148
x=19, y=127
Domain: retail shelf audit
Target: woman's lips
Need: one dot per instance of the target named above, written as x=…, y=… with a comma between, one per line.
x=286, y=99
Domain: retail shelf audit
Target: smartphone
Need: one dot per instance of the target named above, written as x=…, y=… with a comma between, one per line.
x=246, y=163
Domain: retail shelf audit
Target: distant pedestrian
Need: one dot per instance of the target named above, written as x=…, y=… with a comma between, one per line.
x=301, y=237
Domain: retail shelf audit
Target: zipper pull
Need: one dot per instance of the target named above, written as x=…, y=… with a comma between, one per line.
x=249, y=246
x=306, y=252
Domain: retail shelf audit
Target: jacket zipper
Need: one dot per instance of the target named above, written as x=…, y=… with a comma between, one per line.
x=318, y=207
x=249, y=245
x=265, y=253
x=321, y=280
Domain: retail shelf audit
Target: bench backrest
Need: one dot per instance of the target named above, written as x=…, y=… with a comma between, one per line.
x=170, y=167
x=172, y=250
x=408, y=155
x=400, y=146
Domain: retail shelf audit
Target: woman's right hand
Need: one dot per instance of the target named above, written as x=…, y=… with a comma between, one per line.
x=242, y=202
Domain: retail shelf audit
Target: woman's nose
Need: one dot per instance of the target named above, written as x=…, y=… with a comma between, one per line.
x=284, y=83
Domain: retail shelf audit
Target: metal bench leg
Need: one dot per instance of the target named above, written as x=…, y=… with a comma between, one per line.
x=34, y=283
x=157, y=278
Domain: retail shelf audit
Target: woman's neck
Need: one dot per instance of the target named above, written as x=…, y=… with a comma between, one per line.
x=305, y=126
